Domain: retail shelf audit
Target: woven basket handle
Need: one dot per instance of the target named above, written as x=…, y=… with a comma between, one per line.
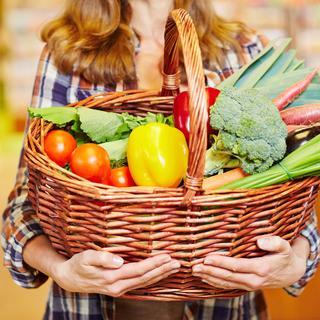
x=180, y=25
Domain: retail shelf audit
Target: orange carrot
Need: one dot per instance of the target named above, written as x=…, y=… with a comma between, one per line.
x=291, y=93
x=220, y=180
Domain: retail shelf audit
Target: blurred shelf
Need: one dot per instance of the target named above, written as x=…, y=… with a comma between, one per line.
x=298, y=19
x=23, y=21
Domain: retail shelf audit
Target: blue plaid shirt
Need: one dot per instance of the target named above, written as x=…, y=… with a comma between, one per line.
x=20, y=222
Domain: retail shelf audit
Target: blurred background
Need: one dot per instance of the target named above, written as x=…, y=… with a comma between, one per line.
x=20, y=22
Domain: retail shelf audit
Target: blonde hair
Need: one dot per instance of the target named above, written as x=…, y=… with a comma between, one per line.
x=93, y=38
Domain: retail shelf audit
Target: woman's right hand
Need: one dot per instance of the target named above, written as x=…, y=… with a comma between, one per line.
x=105, y=273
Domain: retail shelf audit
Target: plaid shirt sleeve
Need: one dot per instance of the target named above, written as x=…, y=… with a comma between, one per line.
x=20, y=222
x=311, y=233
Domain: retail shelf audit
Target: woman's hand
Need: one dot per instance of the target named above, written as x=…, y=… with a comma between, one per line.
x=96, y=271
x=283, y=266
x=102, y=272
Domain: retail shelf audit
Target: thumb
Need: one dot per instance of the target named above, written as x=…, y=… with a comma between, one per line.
x=102, y=259
x=274, y=244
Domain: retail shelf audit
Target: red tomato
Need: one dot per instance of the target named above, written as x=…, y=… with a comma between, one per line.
x=59, y=145
x=91, y=161
x=121, y=177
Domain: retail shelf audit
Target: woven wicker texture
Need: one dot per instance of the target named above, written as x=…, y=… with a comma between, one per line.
x=186, y=222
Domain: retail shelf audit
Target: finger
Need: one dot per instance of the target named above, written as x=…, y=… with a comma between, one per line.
x=245, y=265
x=101, y=259
x=151, y=277
x=220, y=283
x=138, y=269
x=248, y=280
x=155, y=280
x=274, y=244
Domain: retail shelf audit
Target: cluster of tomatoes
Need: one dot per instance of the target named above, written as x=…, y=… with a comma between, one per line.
x=87, y=160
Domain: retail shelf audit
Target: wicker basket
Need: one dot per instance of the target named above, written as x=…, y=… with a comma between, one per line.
x=186, y=222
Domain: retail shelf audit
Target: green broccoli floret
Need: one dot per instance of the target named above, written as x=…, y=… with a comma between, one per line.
x=250, y=128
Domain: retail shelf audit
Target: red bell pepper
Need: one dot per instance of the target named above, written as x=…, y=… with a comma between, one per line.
x=181, y=115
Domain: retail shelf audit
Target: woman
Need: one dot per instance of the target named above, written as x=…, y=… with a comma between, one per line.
x=99, y=45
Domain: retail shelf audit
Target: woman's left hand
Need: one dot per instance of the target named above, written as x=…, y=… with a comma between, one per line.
x=284, y=265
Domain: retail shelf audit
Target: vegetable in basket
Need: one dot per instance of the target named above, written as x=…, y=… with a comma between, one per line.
x=302, y=162
x=293, y=127
x=251, y=132
x=121, y=177
x=92, y=162
x=299, y=137
x=302, y=115
x=59, y=145
x=157, y=155
x=109, y=129
x=292, y=92
x=99, y=126
x=221, y=179
x=278, y=74
x=181, y=115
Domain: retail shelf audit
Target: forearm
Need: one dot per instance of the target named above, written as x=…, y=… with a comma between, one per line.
x=39, y=254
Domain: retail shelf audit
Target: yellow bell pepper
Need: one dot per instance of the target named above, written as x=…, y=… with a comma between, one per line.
x=157, y=155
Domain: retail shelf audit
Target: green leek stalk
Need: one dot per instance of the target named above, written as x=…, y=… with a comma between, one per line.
x=302, y=162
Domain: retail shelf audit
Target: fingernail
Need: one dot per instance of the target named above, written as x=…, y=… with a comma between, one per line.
x=117, y=261
x=263, y=241
x=197, y=268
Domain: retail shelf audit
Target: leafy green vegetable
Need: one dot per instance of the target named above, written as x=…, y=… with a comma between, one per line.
x=279, y=66
x=159, y=117
x=284, y=80
x=119, y=163
x=272, y=71
x=218, y=160
x=117, y=150
x=60, y=116
x=295, y=65
x=96, y=125
x=250, y=79
x=248, y=68
x=99, y=125
x=300, y=102
x=250, y=128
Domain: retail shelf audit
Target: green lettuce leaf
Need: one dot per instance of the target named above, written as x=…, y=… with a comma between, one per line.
x=117, y=150
x=57, y=115
x=100, y=126
x=96, y=125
